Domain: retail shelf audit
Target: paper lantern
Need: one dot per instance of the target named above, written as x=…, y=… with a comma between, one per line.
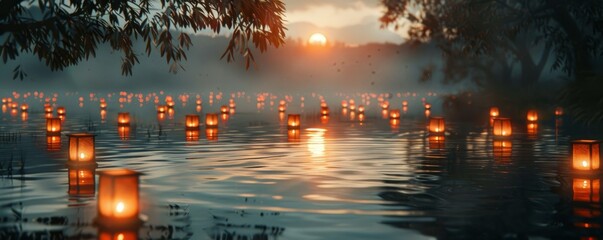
x=123, y=132
x=211, y=134
x=24, y=107
x=123, y=118
x=361, y=117
x=586, y=190
x=385, y=105
x=161, y=109
x=232, y=111
x=502, y=148
x=394, y=114
x=53, y=142
x=501, y=127
x=61, y=110
x=293, y=135
x=405, y=103
x=48, y=115
x=437, y=125
x=199, y=108
x=558, y=111
x=436, y=141
x=118, y=196
x=81, y=181
x=232, y=105
x=199, y=102
x=494, y=112
x=192, y=134
x=103, y=105
x=324, y=111
x=405, y=109
x=81, y=148
x=282, y=108
x=361, y=109
x=532, y=116
x=170, y=104
x=293, y=121
x=427, y=106
x=48, y=109
x=53, y=126
x=192, y=121
x=211, y=120
x=14, y=105
x=224, y=109
x=352, y=107
x=585, y=155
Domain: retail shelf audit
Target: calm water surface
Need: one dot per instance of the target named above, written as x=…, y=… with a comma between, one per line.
x=341, y=179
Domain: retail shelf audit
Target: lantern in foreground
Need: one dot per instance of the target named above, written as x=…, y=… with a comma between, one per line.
x=61, y=110
x=211, y=134
x=532, y=116
x=437, y=125
x=118, y=196
x=224, y=109
x=192, y=134
x=81, y=182
x=81, y=148
x=211, y=120
x=53, y=142
x=586, y=190
x=585, y=155
x=361, y=117
x=436, y=141
x=123, y=118
x=103, y=105
x=53, y=126
x=293, y=121
x=494, y=112
x=394, y=114
x=501, y=127
x=293, y=135
x=192, y=121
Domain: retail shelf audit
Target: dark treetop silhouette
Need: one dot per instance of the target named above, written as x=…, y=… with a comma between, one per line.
x=63, y=33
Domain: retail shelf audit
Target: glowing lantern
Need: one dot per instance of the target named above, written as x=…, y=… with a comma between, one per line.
x=558, y=111
x=198, y=102
x=501, y=127
x=53, y=142
x=81, y=148
x=81, y=181
x=494, y=112
x=14, y=105
x=532, y=116
x=323, y=104
x=192, y=121
x=24, y=107
x=211, y=134
x=103, y=105
x=585, y=155
x=532, y=128
x=502, y=148
x=53, y=126
x=192, y=135
x=394, y=114
x=360, y=109
x=224, y=109
x=436, y=142
x=586, y=190
x=124, y=132
x=161, y=109
x=61, y=110
x=293, y=121
x=293, y=135
x=170, y=104
x=211, y=120
x=123, y=118
x=427, y=106
x=282, y=108
x=118, y=196
x=437, y=125
x=405, y=103
x=48, y=108
x=394, y=122
x=385, y=105
x=232, y=105
x=324, y=119
x=198, y=108
x=224, y=117
x=344, y=104
x=324, y=111
x=427, y=113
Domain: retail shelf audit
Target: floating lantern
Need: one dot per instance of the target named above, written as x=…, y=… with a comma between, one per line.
x=24, y=107
x=48, y=115
x=385, y=105
x=53, y=126
x=436, y=141
x=352, y=107
x=323, y=104
x=192, y=121
x=282, y=108
x=404, y=109
x=161, y=109
x=232, y=105
x=427, y=106
x=224, y=117
x=192, y=134
x=586, y=190
x=81, y=148
x=123, y=118
x=532, y=128
x=118, y=196
x=211, y=134
x=4, y=100
x=48, y=108
x=394, y=114
x=502, y=148
x=103, y=114
x=293, y=135
x=361, y=117
x=81, y=182
x=231, y=111
x=103, y=105
x=360, y=109
x=293, y=121
x=324, y=111
x=170, y=104
x=211, y=120
x=405, y=103
x=14, y=105
x=198, y=102
x=532, y=116
x=494, y=112
x=124, y=132
x=61, y=110
x=437, y=125
x=224, y=109
x=53, y=142
x=344, y=104
x=558, y=111
x=585, y=155
x=501, y=127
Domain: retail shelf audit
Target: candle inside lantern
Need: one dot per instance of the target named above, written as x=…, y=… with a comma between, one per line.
x=293, y=121
x=501, y=127
x=53, y=126
x=532, y=116
x=437, y=125
x=394, y=114
x=494, y=112
x=211, y=120
x=81, y=148
x=61, y=110
x=123, y=118
x=585, y=155
x=324, y=111
x=344, y=104
x=118, y=195
x=192, y=121
x=586, y=190
x=224, y=109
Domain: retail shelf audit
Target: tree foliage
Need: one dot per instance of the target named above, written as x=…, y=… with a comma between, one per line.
x=63, y=33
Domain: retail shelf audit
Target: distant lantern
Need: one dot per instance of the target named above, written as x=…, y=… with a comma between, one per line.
x=192, y=134
x=585, y=155
x=361, y=117
x=211, y=134
x=394, y=114
x=532, y=116
x=586, y=190
x=123, y=118
x=14, y=105
x=61, y=110
x=427, y=106
x=24, y=107
x=81, y=181
x=53, y=142
x=161, y=109
x=502, y=148
x=344, y=104
x=323, y=104
x=48, y=108
x=211, y=120
x=385, y=105
x=324, y=111
x=124, y=132
x=198, y=102
x=436, y=141
x=192, y=121
x=293, y=121
x=103, y=105
x=81, y=148
x=3, y=100
x=394, y=122
x=437, y=125
x=118, y=194
x=293, y=135
x=405, y=103
x=53, y=126
x=501, y=127
x=352, y=107
x=170, y=104
x=224, y=109
x=360, y=109
x=232, y=105
x=558, y=111
x=282, y=108
x=494, y=112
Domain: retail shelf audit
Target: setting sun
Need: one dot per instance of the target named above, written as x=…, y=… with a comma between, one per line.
x=317, y=39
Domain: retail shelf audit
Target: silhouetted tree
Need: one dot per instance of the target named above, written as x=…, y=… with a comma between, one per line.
x=63, y=33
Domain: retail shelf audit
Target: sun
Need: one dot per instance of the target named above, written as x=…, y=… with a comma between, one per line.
x=317, y=39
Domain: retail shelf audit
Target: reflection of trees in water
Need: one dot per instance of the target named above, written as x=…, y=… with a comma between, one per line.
x=225, y=230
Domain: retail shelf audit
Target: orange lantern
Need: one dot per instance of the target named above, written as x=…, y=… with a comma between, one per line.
x=502, y=148
x=53, y=126
x=344, y=104
x=394, y=114
x=427, y=106
x=53, y=142
x=558, y=111
x=436, y=141
x=384, y=114
x=170, y=113
x=198, y=108
x=81, y=182
x=385, y=105
x=192, y=121
x=124, y=132
x=324, y=119
x=118, y=196
x=14, y=105
x=293, y=121
x=324, y=111
x=405, y=103
x=532, y=128
x=224, y=109
x=586, y=190
x=585, y=155
x=361, y=117
x=394, y=122
x=501, y=127
x=192, y=134
x=360, y=109
x=532, y=116
x=24, y=107
x=170, y=104
x=123, y=118
x=293, y=135
x=232, y=105
x=48, y=108
x=161, y=109
x=211, y=134
x=281, y=108
x=211, y=120
x=103, y=105
x=352, y=107
x=494, y=112
x=61, y=110
x=3, y=100
x=323, y=104
x=81, y=148
x=198, y=102
x=437, y=125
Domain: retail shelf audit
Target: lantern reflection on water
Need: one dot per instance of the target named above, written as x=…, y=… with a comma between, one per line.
x=427, y=106
x=586, y=190
x=47, y=108
x=361, y=109
x=293, y=135
x=123, y=132
x=324, y=111
x=437, y=125
x=501, y=127
x=119, y=234
x=81, y=181
x=585, y=155
x=192, y=134
x=436, y=141
x=161, y=108
x=118, y=197
x=427, y=113
x=293, y=121
x=53, y=126
x=502, y=148
x=81, y=148
x=316, y=141
x=211, y=134
x=24, y=107
x=324, y=119
x=532, y=128
x=224, y=109
x=53, y=142
x=24, y=116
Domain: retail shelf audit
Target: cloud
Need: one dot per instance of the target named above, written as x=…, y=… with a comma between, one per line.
x=329, y=15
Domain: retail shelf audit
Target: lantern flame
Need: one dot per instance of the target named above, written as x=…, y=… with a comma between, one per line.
x=120, y=207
